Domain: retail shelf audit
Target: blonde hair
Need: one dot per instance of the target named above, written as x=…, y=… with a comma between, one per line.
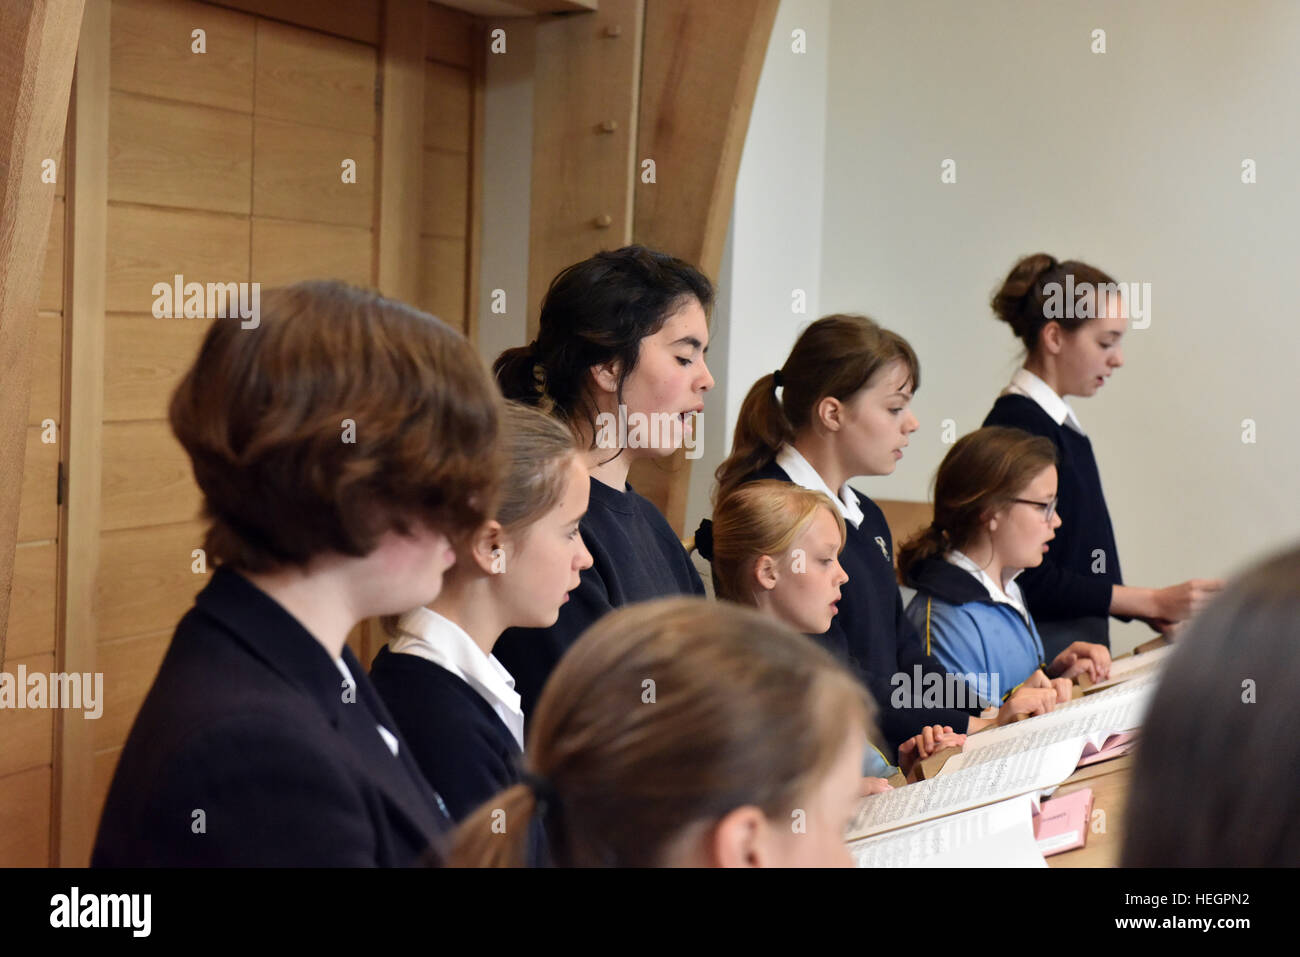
x=760, y=518
x=744, y=712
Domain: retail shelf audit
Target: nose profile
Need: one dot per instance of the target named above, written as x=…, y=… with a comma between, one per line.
x=708, y=377
x=583, y=559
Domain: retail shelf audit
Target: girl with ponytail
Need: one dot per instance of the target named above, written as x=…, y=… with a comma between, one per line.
x=1071, y=318
x=775, y=546
x=994, y=513
x=683, y=732
x=620, y=344
x=838, y=407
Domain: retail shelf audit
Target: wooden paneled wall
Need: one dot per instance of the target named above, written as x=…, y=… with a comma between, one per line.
x=223, y=166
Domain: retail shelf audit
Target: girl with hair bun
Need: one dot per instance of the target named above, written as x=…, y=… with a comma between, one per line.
x=774, y=546
x=683, y=732
x=994, y=512
x=1071, y=348
x=621, y=339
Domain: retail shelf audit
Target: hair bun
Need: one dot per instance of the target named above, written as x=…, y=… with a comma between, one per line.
x=1010, y=300
x=704, y=540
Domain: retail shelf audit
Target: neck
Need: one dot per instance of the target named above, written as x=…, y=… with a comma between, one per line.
x=1045, y=368
x=821, y=454
x=613, y=472
x=472, y=606
x=983, y=555
x=323, y=598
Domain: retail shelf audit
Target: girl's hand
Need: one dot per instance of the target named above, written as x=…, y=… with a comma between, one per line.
x=931, y=740
x=1027, y=701
x=874, y=786
x=1180, y=602
x=1080, y=658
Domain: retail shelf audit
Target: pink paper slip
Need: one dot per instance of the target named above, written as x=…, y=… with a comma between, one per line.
x=1062, y=823
x=1112, y=747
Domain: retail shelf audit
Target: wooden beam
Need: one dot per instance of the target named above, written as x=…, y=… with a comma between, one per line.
x=701, y=67
x=401, y=149
x=587, y=71
x=38, y=45
x=84, y=356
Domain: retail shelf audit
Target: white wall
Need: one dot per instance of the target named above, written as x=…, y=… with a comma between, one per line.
x=1130, y=160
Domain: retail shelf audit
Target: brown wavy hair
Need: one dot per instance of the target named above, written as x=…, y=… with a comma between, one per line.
x=744, y=712
x=835, y=356
x=340, y=416
x=760, y=518
x=981, y=473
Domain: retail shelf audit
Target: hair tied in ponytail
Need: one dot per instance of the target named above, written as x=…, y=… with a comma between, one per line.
x=704, y=540
x=776, y=379
x=543, y=791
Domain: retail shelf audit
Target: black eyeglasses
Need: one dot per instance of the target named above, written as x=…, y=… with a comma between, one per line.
x=1049, y=508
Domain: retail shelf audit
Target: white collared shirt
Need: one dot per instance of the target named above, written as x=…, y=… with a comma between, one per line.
x=1008, y=593
x=1031, y=386
x=436, y=638
x=390, y=739
x=803, y=474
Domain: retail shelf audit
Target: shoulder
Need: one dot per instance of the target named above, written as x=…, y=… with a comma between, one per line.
x=1021, y=412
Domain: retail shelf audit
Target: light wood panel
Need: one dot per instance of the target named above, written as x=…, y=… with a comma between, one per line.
x=442, y=290
x=144, y=360
x=145, y=583
x=51, y=295
x=79, y=547
x=356, y=19
x=448, y=35
x=25, y=819
x=147, y=477
x=178, y=154
x=448, y=103
x=152, y=245
x=905, y=519
x=285, y=252
x=446, y=194
x=31, y=627
x=129, y=667
x=38, y=519
x=152, y=52
x=28, y=733
x=582, y=176
x=402, y=118
x=47, y=369
x=298, y=174
x=312, y=79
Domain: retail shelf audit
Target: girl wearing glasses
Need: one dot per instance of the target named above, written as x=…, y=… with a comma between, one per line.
x=1071, y=319
x=994, y=515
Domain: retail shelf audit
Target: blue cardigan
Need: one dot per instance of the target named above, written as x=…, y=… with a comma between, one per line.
x=986, y=642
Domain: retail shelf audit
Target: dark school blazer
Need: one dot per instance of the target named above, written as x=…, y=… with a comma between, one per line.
x=250, y=750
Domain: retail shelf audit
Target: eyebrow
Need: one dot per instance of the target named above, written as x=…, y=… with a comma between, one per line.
x=692, y=342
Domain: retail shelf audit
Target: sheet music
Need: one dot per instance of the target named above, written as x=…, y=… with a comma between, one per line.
x=998, y=835
x=1126, y=669
x=1022, y=772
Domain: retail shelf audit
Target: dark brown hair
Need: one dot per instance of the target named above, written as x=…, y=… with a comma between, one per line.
x=1187, y=807
x=664, y=715
x=597, y=311
x=341, y=415
x=981, y=473
x=1021, y=301
x=835, y=356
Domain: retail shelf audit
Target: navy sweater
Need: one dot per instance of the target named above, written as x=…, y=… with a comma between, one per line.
x=462, y=746
x=871, y=633
x=635, y=555
x=1068, y=599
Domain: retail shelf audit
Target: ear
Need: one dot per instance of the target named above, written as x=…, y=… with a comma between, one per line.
x=829, y=413
x=1052, y=338
x=605, y=376
x=742, y=838
x=765, y=572
x=484, y=543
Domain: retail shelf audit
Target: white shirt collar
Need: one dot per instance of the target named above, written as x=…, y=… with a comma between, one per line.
x=803, y=474
x=434, y=637
x=1031, y=386
x=1007, y=594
